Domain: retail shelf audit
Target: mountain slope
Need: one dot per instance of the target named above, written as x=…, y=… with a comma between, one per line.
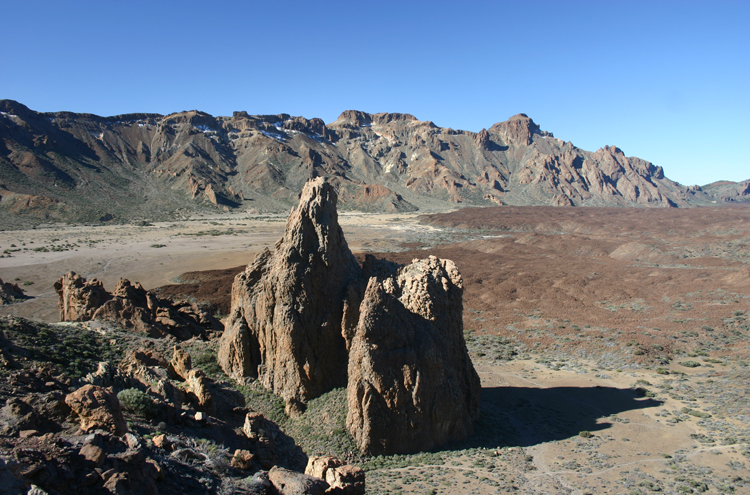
x=81, y=166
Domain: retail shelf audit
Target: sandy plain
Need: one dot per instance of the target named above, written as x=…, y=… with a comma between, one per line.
x=613, y=344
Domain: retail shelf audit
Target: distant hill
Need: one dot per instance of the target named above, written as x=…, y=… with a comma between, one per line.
x=65, y=166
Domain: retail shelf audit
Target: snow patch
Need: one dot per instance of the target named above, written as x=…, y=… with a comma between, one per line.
x=272, y=135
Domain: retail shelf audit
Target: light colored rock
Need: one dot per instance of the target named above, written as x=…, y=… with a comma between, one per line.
x=180, y=364
x=342, y=478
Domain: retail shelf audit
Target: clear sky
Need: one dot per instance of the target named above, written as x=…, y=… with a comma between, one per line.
x=667, y=81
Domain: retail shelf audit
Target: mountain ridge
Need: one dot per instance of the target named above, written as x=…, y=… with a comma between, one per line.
x=65, y=166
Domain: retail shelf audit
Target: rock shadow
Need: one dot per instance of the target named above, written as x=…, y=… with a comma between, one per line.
x=525, y=416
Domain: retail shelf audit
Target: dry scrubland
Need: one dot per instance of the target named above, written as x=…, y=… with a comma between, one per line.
x=612, y=344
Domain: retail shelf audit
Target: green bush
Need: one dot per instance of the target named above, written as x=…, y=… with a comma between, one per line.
x=138, y=402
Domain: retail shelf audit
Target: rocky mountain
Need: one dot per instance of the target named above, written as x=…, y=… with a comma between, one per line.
x=724, y=191
x=84, y=167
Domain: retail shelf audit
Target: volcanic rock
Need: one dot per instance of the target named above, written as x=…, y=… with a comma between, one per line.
x=97, y=408
x=131, y=306
x=412, y=385
x=284, y=326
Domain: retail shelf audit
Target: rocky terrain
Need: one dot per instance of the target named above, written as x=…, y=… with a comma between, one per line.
x=84, y=168
x=611, y=344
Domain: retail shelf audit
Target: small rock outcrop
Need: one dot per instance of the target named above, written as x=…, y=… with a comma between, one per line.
x=79, y=299
x=133, y=307
x=97, y=408
x=284, y=326
x=412, y=385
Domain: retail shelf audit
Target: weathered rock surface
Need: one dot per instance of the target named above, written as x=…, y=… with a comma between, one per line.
x=342, y=478
x=133, y=307
x=289, y=482
x=412, y=385
x=97, y=408
x=285, y=321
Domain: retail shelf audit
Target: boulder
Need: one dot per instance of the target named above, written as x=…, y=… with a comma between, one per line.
x=341, y=478
x=97, y=408
x=289, y=482
x=412, y=385
x=285, y=318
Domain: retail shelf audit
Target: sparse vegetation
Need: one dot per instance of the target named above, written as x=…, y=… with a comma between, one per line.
x=138, y=402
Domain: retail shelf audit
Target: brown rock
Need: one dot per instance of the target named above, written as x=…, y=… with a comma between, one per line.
x=79, y=299
x=93, y=453
x=317, y=466
x=97, y=408
x=289, y=482
x=412, y=385
x=284, y=323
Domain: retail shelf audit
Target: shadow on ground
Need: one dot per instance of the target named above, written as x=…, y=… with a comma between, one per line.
x=520, y=416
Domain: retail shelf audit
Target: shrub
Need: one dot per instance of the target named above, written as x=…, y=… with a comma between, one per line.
x=138, y=402
x=690, y=364
x=585, y=434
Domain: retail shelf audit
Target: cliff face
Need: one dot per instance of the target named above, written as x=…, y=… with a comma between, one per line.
x=64, y=164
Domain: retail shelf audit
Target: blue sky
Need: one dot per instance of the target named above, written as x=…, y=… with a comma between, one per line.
x=666, y=81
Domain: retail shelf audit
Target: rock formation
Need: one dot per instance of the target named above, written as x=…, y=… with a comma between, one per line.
x=79, y=299
x=131, y=306
x=411, y=384
x=284, y=326
x=306, y=316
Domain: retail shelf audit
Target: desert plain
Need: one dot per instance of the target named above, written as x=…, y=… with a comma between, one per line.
x=613, y=344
